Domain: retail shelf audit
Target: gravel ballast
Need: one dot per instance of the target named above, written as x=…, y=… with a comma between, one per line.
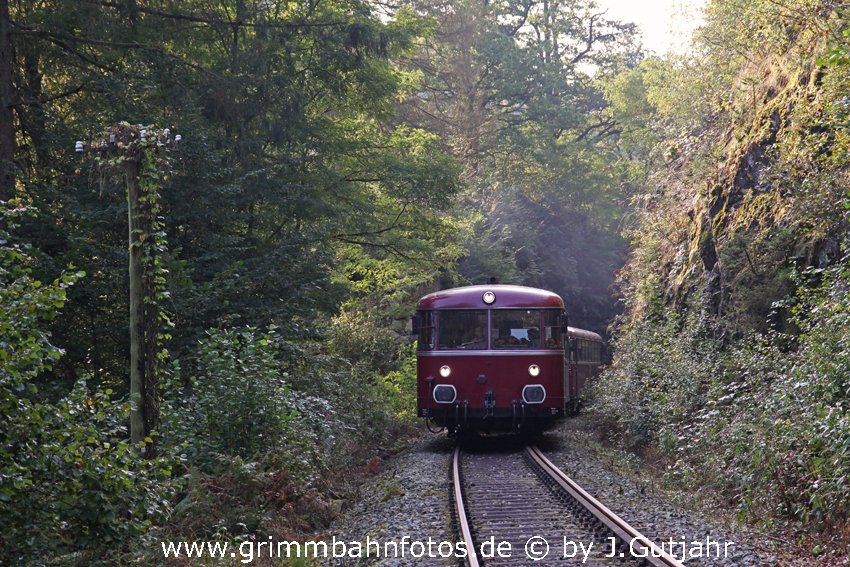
x=410, y=500
x=652, y=512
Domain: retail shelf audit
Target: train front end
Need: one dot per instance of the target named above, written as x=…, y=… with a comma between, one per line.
x=491, y=358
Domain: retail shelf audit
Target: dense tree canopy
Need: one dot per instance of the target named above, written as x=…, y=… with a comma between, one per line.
x=289, y=152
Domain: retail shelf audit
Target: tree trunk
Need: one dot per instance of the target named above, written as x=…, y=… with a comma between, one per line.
x=32, y=115
x=7, y=99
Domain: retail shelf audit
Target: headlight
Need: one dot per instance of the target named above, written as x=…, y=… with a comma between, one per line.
x=534, y=394
x=445, y=394
x=445, y=371
x=534, y=370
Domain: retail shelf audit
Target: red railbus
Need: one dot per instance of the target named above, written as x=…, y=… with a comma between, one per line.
x=500, y=358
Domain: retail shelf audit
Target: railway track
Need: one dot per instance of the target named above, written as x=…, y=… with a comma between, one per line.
x=517, y=508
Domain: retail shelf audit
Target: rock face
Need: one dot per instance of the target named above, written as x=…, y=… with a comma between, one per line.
x=750, y=199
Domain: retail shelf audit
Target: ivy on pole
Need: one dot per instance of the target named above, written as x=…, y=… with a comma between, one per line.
x=141, y=158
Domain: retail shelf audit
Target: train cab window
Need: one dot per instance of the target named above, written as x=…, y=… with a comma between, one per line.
x=464, y=329
x=516, y=328
x=552, y=329
x=425, y=330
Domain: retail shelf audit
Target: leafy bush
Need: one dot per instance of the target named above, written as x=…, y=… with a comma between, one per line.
x=286, y=404
x=262, y=422
x=787, y=417
x=364, y=338
x=70, y=485
x=343, y=405
x=237, y=404
x=400, y=385
x=661, y=374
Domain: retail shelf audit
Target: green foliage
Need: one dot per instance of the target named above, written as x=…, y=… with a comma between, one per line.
x=291, y=155
x=663, y=368
x=760, y=277
x=514, y=89
x=237, y=404
x=785, y=417
x=302, y=200
x=70, y=484
x=365, y=339
x=765, y=427
x=755, y=29
x=737, y=378
x=628, y=93
x=264, y=422
x=400, y=384
x=27, y=304
x=296, y=194
x=283, y=405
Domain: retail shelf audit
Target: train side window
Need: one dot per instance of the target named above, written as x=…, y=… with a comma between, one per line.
x=425, y=331
x=552, y=329
x=462, y=329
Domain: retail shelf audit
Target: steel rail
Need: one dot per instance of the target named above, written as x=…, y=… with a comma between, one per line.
x=460, y=509
x=637, y=542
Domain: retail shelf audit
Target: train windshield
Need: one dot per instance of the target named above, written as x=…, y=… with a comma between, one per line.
x=520, y=328
x=462, y=329
x=516, y=328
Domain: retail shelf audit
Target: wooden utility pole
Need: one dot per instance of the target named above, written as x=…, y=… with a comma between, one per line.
x=139, y=156
x=138, y=423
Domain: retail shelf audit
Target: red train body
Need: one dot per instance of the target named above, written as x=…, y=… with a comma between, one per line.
x=499, y=358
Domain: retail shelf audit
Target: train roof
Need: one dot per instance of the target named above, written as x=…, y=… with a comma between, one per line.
x=472, y=297
x=583, y=334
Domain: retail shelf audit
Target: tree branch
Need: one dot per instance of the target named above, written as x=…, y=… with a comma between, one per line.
x=64, y=94
x=60, y=39
x=523, y=19
x=604, y=124
x=591, y=39
x=210, y=21
x=376, y=232
x=389, y=247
